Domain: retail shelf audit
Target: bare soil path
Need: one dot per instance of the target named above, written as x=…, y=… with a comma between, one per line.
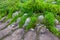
x=12, y=32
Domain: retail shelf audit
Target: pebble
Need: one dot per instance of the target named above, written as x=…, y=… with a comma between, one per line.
x=14, y=14
x=32, y=29
x=54, y=2
x=41, y=18
x=27, y=22
x=25, y=14
x=56, y=21
x=18, y=20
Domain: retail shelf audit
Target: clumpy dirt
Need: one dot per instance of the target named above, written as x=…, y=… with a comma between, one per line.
x=12, y=32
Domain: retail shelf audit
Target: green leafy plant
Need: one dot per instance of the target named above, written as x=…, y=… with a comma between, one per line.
x=49, y=17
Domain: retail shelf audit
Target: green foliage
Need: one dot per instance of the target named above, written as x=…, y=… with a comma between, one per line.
x=23, y=1
x=58, y=2
x=8, y=7
x=32, y=23
x=58, y=17
x=14, y=19
x=49, y=17
x=23, y=18
x=27, y=7
x=38, y=6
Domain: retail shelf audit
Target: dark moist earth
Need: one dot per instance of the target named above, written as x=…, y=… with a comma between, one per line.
x=12, y=32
